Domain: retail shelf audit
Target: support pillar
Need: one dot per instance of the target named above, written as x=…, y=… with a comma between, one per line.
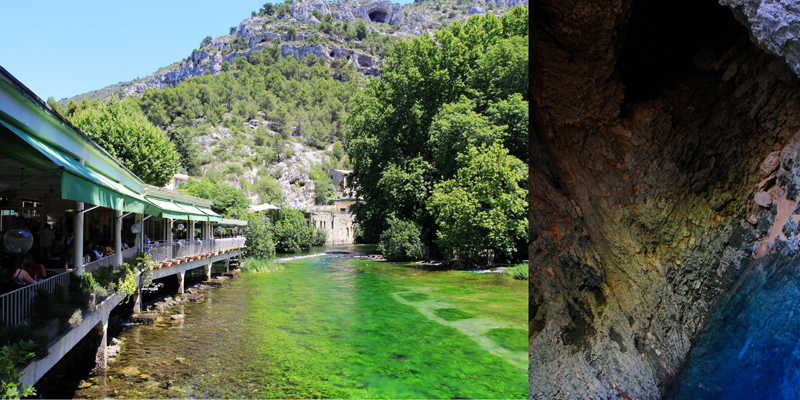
x=137, y=299
x=190, y=236
x=227, y=264
x=77, y=238
x=208, y=272
x=180, y=276
x=118, y=237
x=169, y=238
x=102, y=352
x=141, y=231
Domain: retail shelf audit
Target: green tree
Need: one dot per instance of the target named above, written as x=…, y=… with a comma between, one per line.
x=338, y=151
x=56, y=107
x=482, y=208
x=361, y=30
x=322, y=185
x=291, y=33
x=513, y=113
x=228, y=201
x=292, y=232
x=226, y=66
x=455, y=128
x=401, y=241
x=425, y=91
x=123, y=131
x=258, y=234
x=269, y=190
x=182, y=139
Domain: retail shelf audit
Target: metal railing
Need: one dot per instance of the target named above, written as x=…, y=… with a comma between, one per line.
x=185, y=249
x=16, y=306
x=108, y=261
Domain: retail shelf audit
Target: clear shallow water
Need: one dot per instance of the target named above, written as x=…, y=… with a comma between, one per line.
x=334, y=327
x=751, y=348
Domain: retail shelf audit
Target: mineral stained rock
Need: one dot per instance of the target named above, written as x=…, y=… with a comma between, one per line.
x=653, y=127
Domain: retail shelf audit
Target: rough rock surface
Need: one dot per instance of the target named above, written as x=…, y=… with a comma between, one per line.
x=773, y=24
x=651, y=126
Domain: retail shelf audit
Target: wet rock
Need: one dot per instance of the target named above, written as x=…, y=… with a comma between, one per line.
x=763, y=199
x=177, y=317
x=145, y=318
x=130, y=371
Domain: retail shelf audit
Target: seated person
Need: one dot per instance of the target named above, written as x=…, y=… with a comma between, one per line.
x=33, y=267
x=89, y=249
x=107, y=251
x=18, y=276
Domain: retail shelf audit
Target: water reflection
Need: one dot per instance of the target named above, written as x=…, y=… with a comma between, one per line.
x=750, y=348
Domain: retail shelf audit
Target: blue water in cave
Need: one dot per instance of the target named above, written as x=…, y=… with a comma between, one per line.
x=750, y=349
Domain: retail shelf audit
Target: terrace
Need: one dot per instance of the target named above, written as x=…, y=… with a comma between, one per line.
x=100, y=215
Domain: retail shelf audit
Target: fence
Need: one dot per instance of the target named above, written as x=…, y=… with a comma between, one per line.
x=110, y=260
x=163, y=252
x=17, y=306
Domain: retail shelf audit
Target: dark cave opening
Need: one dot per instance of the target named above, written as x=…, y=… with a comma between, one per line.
x=378, y=16
x=663, y=37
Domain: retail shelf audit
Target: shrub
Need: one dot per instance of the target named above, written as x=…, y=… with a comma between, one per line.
x=401, y=241
x=517, y=271
x=260, y=265
x=10, y=356
x=292, y=233
x=319, y=237
x=259, y=237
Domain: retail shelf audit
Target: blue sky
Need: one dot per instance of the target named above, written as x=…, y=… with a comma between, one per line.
x=64, y=48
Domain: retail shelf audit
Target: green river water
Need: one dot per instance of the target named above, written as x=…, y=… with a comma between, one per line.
x=333, y=327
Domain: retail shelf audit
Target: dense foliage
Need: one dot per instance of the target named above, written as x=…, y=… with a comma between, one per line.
x=126, y=134
x=292, y=232
x=259, y=236
x=227, y=199
x=482, y=207
x=306, y=96
x=462, y=92
x=11, y=355
x=401, y=242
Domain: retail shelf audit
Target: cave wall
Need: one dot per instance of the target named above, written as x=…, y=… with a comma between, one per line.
x=651, y=124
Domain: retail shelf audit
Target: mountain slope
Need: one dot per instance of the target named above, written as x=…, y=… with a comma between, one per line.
x=262, y=108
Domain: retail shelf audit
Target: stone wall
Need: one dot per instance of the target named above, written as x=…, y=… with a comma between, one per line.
x=339, y=227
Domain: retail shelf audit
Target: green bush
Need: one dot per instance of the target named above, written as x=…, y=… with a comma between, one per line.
x=517, y=271
x=10, y=356
x=319, y=237
x=259, y=236
x=292, y=232
x=401, y=241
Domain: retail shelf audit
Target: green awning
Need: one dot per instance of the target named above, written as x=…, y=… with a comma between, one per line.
x=168, y=209
x=194, y=213
x=212, y=216
x=78, y=182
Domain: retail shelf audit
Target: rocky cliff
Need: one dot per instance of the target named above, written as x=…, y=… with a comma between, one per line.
x=664, y=170
x=293, y=30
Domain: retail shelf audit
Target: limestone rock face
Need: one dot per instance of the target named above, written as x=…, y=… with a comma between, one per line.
x=648, y=146
x=773, y=24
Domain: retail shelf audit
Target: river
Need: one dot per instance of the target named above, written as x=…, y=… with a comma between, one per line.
x=335, y=327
